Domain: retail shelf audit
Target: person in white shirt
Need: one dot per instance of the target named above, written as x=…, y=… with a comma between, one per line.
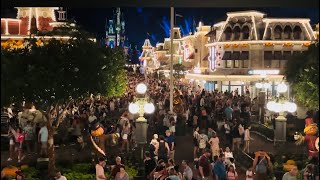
x=43, y=139
x=228, y=154
x=187, y=171
x=247, y=139
x=58, y=176
x=92, y=117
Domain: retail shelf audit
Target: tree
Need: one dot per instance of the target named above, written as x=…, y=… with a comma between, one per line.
x=57, y=72
x=303, y=74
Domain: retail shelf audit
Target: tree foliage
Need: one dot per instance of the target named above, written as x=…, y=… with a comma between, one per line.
x=56, y=71
x=59, y=70
x=303, y=73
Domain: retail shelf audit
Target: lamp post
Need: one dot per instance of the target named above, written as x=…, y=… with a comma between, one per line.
x=281, y=105
x=263, y=85
x=140, y=106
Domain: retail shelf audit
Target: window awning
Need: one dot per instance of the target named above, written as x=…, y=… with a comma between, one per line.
x=236, y=55
x=277, y=55
x=226, y=55
x=206, y=57
x=191, y=56
x=211, y=33
x=244, y=55
x=267, y=55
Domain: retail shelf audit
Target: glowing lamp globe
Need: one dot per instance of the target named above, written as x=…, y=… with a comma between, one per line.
x=290, y=107
x=281, y=88
x=259, y=85
x=149, y=108
x=133, y=108
x=278, y=107
x=266, y=85
x=141, y=88
x=271, y=105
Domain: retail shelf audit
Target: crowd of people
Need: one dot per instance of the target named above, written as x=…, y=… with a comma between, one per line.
x=220, y=123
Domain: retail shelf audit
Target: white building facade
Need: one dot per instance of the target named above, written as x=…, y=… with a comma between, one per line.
x=248, y=47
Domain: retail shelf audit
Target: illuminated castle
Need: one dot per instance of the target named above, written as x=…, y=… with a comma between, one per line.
x=115, y=30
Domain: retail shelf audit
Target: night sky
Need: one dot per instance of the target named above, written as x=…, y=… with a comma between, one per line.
x=156, y=21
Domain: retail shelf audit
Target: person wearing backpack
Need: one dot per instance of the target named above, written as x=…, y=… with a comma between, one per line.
x=203, y=140
x=261, y=165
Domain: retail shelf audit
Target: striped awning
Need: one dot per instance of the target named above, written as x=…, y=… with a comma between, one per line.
x=206, y=57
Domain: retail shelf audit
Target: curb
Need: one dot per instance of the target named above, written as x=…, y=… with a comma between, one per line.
x=268, y=139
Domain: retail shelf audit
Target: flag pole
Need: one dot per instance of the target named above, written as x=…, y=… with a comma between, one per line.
x=171, y=58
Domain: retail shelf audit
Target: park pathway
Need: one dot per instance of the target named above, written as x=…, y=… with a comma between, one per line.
x=184, y=148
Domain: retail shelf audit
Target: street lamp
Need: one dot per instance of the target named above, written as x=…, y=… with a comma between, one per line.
x=281, y=105
x=141, y=105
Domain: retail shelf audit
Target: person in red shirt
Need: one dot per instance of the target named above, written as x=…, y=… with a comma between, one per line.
x=204, y=165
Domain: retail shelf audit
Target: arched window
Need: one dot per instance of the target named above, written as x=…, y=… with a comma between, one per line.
x=228, y=33
x=245, y=33
x=268, y=34
x=287, y=32
x=236, y=32
x=297, y=33
x=278, y=32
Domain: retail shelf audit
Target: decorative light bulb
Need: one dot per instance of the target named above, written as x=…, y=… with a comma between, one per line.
x=149, y=108
x=291, y=107
x=278, y=107
x=266, y=85
x=271, y=105
x=133, y=108
x=141, y=88
x=258, y=85
x=282, y=88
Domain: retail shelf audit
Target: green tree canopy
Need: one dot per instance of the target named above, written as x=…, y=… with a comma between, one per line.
x=58, y=70
x=303, y=73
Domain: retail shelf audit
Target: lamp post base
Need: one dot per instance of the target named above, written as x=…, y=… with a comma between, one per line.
x=280, y=133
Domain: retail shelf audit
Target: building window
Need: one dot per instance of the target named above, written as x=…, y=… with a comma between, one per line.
x=284, y=63
x=236, y=32
x=244, y=55
x=196, y=50
x=229, y=63
x=297, y=33
x=228, y=34
x=236, y=55
x=287, y=55
x=245, y=63
x=278, y=32
x=267, y=63
x=287, y=32
x=275, y=63
x=296, y=53
x=268, y=55
x=245, y=33
x=226, y=55
x=277, y=55
x=236, y=63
